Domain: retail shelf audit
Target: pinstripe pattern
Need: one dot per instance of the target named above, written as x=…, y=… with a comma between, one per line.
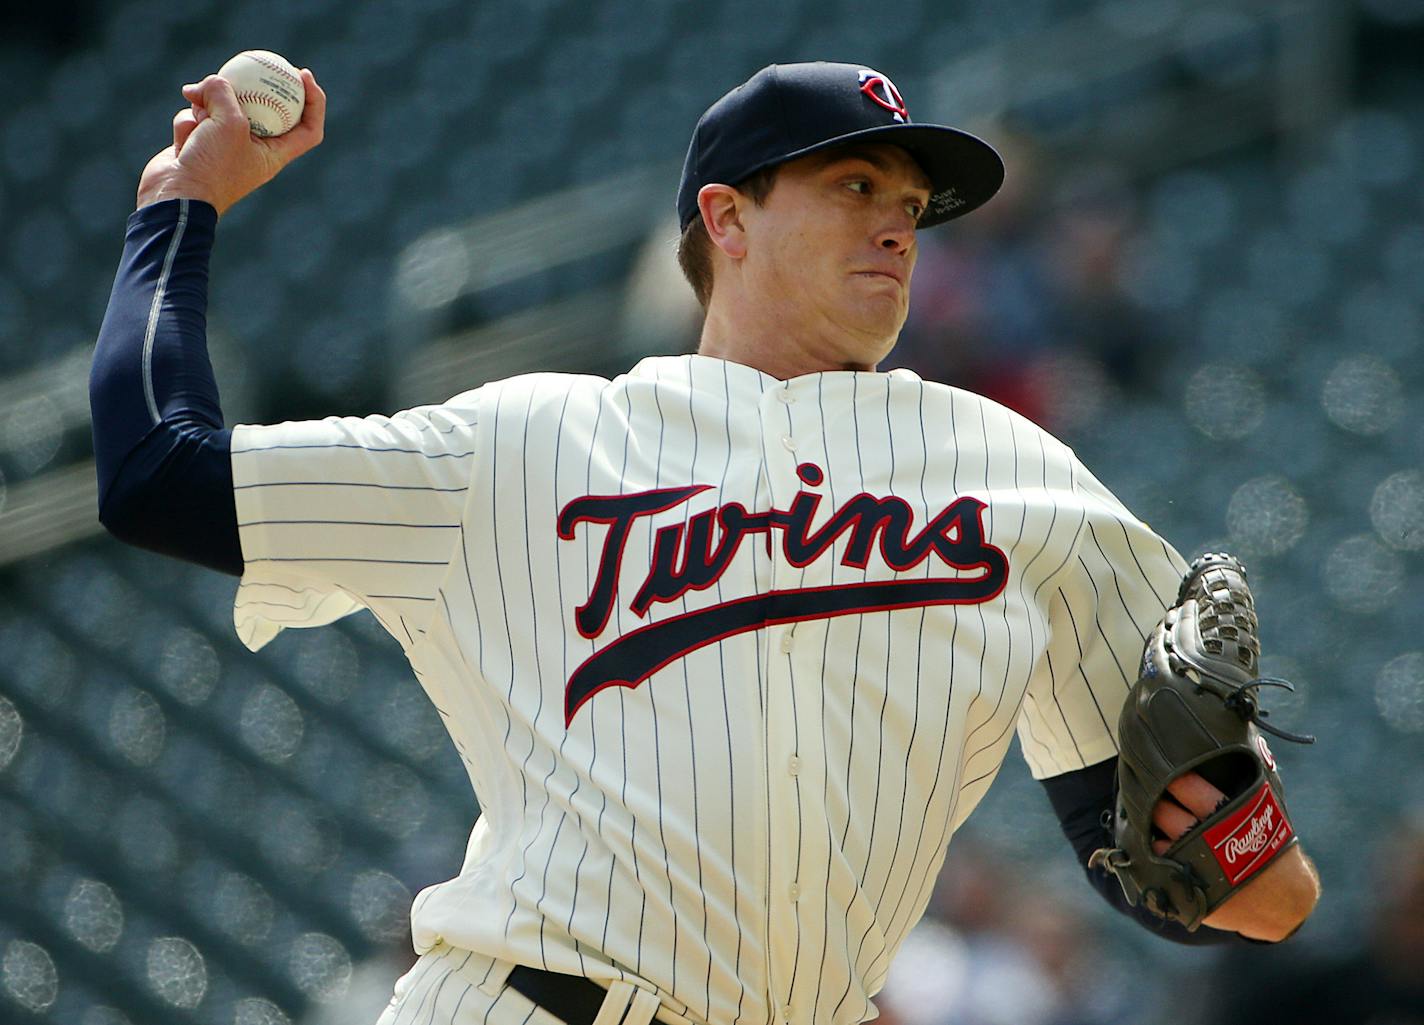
x=754, y=829
x=448, y=986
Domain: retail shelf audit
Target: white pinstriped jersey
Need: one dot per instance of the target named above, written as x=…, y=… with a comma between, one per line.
x=728, y=658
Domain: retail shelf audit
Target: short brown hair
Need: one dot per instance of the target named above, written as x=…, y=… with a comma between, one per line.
x=694, y=249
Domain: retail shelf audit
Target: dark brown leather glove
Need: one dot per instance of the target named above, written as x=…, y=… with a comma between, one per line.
x=1195, y=709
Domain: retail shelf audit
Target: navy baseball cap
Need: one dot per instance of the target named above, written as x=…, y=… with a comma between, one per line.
x=786, y=111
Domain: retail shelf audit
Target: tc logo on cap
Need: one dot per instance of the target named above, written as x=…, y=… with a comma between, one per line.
x=881, y=90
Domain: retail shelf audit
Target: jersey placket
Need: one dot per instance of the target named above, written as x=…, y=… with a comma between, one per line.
x=792, y=437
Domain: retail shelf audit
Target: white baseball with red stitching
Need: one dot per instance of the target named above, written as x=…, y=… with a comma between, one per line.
x=269, y=90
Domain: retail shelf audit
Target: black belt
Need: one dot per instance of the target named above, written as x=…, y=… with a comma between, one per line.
x=570, y=998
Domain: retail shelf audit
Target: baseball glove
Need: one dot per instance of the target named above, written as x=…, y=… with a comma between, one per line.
x=1195, y=708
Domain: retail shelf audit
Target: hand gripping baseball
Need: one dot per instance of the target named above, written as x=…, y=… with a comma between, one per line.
x=215, y=157
x=1194, y=711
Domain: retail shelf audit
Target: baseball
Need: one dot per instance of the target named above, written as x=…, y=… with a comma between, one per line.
x=269, y=90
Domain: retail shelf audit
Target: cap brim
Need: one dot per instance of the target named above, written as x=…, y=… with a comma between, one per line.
x=964, y=170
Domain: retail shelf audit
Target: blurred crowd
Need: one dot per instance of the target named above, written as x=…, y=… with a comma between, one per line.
x=999, y=948
x=1376, y=978
x=1024, y=301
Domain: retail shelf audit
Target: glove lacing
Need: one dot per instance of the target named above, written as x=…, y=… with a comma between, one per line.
x=1245, y=703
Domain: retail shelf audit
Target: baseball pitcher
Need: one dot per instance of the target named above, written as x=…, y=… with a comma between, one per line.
x=733, y=643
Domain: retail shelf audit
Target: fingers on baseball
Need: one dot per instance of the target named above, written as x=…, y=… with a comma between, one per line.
x=183, y=124
x=315, y=97
x=310, y=130
x=214, y=98
x=194, y=95
x=314, y=113
x=215, y=95
x=222, y=100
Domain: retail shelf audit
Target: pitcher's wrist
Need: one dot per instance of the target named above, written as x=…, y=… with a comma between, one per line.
x=178, y=188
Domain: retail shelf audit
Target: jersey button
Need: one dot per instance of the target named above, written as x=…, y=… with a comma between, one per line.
x=788, y=443
x=787, y=643
x=785, y=396
x=794, y=893
x=786, y=1012
x=793, y=765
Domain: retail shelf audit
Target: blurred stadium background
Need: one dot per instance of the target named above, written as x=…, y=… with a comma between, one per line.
x=1204, y=273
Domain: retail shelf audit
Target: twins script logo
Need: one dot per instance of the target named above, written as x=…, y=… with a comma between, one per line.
x=692, y=555
x=883, y=92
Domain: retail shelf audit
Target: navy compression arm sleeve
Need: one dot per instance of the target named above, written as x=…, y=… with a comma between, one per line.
x=162, y=455
x=1081, y=799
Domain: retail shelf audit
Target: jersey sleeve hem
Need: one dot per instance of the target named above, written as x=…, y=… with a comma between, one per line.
x=1090, y=754
x=270, y=598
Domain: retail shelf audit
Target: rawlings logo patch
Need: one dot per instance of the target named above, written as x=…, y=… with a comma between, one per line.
x=1250, y=837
